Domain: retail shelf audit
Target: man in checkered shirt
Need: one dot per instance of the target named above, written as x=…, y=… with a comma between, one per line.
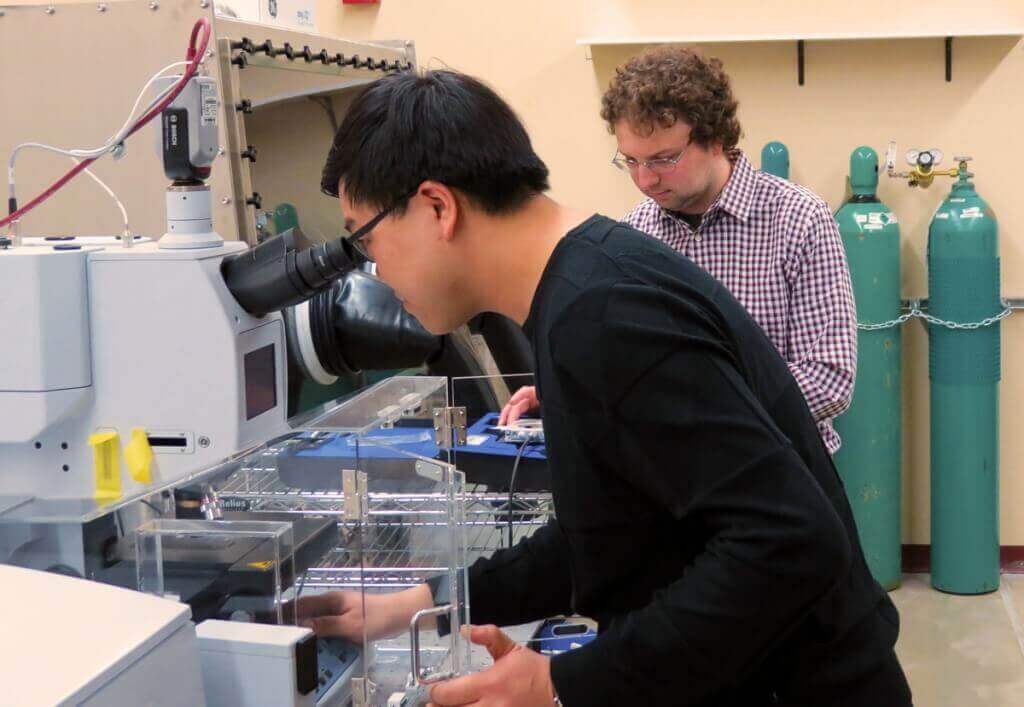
x=773, y=243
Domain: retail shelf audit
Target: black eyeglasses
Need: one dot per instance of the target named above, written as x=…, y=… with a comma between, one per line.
x=662, y=165
x=354, y=239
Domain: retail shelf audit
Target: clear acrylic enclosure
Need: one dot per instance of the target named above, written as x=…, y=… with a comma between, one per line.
x=378, y=503
x=229, y=570
x=376, y=468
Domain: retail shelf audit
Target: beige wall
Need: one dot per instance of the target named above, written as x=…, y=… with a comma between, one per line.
x=863, y=92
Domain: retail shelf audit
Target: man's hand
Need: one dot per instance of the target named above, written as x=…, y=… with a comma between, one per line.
x=524, y=401
x=349, y=614
x=519, y=677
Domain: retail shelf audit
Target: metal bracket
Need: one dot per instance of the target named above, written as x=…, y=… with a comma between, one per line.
x=800, y=62
x=362, y=688
x=949, y=59
x=450, y=426
x=430, y=470
x=353, y=484
x=234, y=129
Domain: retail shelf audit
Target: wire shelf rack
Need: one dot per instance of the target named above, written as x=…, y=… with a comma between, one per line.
x=397, y=538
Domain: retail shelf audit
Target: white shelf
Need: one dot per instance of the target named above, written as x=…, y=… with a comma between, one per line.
x=802, y=39
x=809, y=37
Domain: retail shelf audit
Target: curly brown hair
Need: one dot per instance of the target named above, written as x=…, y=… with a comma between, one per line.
x=666, y=84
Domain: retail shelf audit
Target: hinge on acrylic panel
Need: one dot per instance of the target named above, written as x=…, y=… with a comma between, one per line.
x=353, y=485
x=362, y=689
x=450, y=426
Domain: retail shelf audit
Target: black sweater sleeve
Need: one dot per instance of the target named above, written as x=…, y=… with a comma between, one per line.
x=692, y=437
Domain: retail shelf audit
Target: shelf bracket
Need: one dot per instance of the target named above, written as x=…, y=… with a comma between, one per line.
x=800, y=61
x=949, y=59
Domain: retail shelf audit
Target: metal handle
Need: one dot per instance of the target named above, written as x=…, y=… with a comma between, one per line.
x=414, y=637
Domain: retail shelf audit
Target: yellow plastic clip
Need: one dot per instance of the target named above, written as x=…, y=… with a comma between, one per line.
x=106, y=454
x=139, y=456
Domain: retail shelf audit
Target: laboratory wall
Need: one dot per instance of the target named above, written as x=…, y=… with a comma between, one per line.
x=884, y=79
x=858, y=91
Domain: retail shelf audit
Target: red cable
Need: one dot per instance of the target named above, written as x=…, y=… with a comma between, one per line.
x=194, y=56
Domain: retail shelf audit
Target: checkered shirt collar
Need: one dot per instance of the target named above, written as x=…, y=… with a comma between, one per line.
x=737, y=198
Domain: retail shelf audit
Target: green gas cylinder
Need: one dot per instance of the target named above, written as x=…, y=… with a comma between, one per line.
x=775, y=159
x=964, y=370
x=869, y=459
x=285, y=217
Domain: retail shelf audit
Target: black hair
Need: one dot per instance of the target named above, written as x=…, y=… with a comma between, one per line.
x=440, y=125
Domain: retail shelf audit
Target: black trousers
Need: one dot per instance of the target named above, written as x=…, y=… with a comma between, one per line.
x=875, y=681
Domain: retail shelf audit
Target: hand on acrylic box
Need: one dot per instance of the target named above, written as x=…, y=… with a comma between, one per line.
x=350, y=615
x=519, y=677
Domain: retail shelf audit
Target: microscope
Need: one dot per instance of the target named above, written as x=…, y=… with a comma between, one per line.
x=133, y=364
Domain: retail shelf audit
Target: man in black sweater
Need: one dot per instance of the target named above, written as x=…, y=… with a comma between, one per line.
x=699, y=518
